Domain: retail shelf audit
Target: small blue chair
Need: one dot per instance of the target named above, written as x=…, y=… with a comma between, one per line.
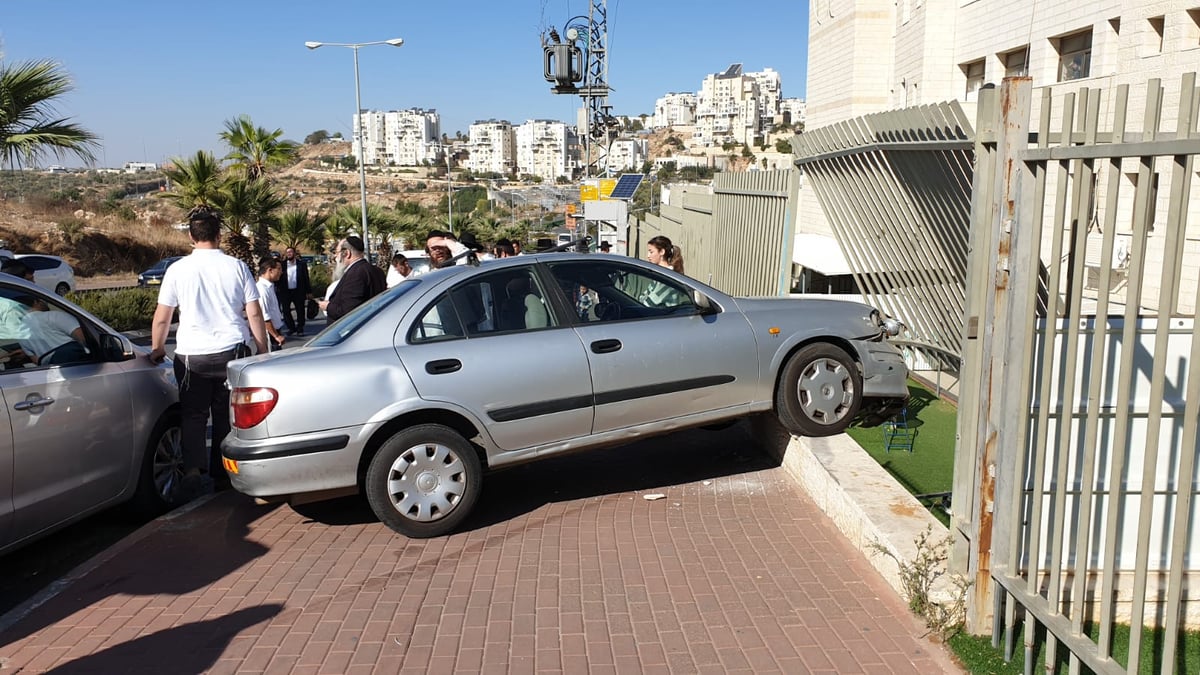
x=897, y=435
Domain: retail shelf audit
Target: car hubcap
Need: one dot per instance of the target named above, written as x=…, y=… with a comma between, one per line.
x=426, y=482
x=825, y=390
x=168, y=462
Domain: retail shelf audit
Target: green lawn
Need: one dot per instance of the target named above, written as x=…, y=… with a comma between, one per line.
x=929, y=468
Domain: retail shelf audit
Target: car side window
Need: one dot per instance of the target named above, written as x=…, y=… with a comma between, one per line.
x=498, y=302
x=36, y=330
x=604, y=291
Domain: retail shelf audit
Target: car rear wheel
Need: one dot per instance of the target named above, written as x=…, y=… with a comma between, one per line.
x=162, y=467
x=819, y=391
x=62, y=288
x=424, y=481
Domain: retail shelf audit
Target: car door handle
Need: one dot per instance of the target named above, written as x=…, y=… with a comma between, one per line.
x=443, y=366
x=606, y=346
x=33, y=403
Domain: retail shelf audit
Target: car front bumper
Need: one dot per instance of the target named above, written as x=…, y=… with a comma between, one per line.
x=884, y=373
x=294, y=465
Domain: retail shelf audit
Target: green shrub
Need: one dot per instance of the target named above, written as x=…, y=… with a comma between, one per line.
x=124, y=309
x=70, y=229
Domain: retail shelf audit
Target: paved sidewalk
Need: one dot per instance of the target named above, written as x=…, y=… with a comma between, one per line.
x=564, y=567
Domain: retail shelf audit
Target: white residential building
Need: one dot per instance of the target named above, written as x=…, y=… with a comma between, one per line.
x=770, y=87
x=627, y=154
x=674, y=109
x=398, y=137
x=492, y=147
x=727, y=108
x=547, y=148
x=131, y=167
x=792, y=111
x=876, y=55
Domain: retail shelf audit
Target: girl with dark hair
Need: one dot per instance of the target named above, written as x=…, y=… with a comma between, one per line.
x=661, y=251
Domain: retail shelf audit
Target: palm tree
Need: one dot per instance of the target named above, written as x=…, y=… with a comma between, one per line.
x=297, y=228
x=254, y=150
x=195, y=181
x=347, y=220
x=29, y=127
x=249, y=204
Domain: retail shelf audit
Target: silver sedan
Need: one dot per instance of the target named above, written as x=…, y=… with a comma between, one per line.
x=414, y=395
x=88, y=422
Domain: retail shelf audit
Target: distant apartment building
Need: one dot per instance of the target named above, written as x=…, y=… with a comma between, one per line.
x=792, y=111
x=492, y=146
x=546, y=148
x=134, y=167
x=674, y=109
x=627, y=154
x=770, y=87
x=727, y=109
x=397, y=137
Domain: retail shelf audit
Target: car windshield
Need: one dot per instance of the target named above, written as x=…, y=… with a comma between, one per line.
x=347, y=325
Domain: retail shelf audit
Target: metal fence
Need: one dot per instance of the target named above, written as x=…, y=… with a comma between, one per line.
x=1075, y=471
x=736, y=238
x=896, y=189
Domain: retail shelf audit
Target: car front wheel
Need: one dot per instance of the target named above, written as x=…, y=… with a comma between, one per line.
x=424, y=481
x=62, y=288
x=819, y=391
x=162, y=467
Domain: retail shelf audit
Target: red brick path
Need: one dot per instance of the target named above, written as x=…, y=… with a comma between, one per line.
x=564, y=568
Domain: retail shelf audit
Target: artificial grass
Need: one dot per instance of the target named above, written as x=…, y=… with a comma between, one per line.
x=977, y=656
x=929, y=468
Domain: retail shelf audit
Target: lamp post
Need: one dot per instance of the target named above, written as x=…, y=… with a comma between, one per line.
x=449, y=197
x=362, y=143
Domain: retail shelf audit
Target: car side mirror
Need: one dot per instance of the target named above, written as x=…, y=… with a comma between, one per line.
x=702, y=302
x=116, y=347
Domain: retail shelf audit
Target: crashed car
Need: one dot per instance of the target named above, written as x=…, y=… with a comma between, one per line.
x=414, y=396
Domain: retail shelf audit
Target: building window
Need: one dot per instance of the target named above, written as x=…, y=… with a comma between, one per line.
x=973, y=71
x=1074, y=56
x=1016, y=62
x=1155, y=36
x=1192, y=29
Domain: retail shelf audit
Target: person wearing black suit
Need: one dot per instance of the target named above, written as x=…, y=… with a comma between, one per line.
x=359, y=281
x=293, y=289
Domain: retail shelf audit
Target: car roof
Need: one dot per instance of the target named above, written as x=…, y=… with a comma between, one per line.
x=38, y=255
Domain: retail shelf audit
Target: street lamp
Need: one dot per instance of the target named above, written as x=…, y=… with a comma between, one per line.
x=362, y=152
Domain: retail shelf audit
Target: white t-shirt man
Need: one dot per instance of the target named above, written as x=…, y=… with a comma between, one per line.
x=211, y=317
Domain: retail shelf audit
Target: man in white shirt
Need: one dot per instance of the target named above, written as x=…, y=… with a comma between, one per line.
x=53, y=337
x=219, y=315
x=399, y=270
x=270, y=269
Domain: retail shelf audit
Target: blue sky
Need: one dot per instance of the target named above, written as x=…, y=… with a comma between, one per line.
x=158, y=79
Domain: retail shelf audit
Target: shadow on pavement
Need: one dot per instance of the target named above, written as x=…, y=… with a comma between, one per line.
x=192, y=550
x=655, y=463
x=190, y=648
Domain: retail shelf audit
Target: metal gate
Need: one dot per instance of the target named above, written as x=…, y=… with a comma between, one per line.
x=1075, y=476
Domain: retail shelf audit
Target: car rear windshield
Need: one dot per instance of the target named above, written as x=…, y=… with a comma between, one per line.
x=347, y=325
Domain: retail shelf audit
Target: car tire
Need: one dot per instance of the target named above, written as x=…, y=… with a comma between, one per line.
x=62, y=288
x=424, y=481
x=161, y=468
x=819, y=391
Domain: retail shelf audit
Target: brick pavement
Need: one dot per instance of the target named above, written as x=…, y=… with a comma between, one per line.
x=565, y=567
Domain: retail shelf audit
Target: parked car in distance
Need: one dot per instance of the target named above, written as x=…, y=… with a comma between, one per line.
x=83, y=429
x=415, y=404
x=154, y=275
x=418, y=261
x=49, y=271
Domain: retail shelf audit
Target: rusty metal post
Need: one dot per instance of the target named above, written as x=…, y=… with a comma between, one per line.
x=995, y=324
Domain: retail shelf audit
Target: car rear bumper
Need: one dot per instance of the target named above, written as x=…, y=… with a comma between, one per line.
x=282, y=467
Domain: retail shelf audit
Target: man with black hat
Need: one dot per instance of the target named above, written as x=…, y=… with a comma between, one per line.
x=605, y=247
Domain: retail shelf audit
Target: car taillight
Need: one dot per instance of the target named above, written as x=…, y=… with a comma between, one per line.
x=251, y=405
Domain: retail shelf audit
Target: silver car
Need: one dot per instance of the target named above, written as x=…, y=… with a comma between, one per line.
x=88, y=421
x=414, y=395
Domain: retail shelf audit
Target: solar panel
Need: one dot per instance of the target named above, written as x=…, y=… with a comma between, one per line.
x=627, y=184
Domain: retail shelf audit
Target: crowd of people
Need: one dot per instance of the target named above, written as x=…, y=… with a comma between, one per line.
x=225, y=313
